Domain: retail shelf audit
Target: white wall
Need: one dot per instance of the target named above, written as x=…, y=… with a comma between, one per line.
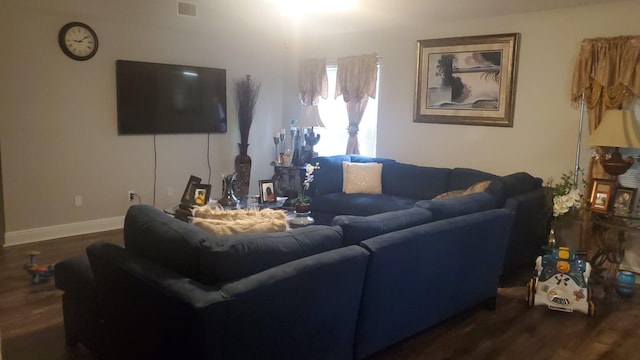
x=58, y=116
x=544, y=134
x=58, y=124
x=543, y=138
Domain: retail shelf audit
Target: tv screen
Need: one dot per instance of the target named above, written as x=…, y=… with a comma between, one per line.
x=170, y=99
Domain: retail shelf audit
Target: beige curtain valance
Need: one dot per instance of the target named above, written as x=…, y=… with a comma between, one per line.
x=312, y=80
x=607, y=72
x=357, y=77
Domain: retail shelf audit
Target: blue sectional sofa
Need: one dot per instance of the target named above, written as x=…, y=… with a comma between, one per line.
x=405, y=186
x=321, y=292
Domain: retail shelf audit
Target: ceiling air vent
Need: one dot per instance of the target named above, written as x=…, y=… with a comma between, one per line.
x=187, y=9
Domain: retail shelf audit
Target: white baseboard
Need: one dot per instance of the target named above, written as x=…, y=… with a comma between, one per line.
x=59, y=231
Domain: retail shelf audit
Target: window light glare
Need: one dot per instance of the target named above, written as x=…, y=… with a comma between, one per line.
x=296, y=7
x=189, y=73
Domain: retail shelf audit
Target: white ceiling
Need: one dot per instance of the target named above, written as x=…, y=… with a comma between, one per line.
x=380, y=14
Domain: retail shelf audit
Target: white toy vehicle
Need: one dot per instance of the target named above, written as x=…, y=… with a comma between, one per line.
x=561, y=282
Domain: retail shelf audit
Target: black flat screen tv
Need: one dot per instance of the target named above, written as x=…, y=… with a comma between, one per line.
x=170, y=99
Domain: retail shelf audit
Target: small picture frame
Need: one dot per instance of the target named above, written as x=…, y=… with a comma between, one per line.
x=601, y=194
x=187, y=196
x=201, y=194
x=624, y=199
x=267, y=191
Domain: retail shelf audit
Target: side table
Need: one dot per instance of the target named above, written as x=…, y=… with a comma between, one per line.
x=609, y=232
x=287, y=180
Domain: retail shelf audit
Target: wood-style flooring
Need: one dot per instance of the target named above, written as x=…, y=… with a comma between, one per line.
x=31, y=324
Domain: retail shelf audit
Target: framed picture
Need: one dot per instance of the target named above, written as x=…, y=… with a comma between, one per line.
x=267, y=193
x=624, y=199
x=467, y=80
x=601, y=194
x=188, y=190
x=201, y=194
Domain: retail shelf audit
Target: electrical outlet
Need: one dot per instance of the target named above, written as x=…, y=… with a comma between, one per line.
x=77, y=200
x=131, y=195
x=170, y=191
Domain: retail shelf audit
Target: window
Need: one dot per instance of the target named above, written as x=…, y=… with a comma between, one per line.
x=333, y=112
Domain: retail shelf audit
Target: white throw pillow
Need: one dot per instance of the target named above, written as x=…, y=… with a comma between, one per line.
x=361, y=178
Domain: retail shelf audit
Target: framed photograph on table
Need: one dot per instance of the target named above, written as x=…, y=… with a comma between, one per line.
x=201, y=194
x=601, y=194
x=267, y=193
x=624, y=199
x=467, y=80
x=187, y=195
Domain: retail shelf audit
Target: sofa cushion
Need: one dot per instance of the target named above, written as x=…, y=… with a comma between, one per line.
x=150, y=233
x=412, y=181
x=358, y=228
x=361, y=178
x=327, y=178
x=248, y=254
x=359, y=204
x=458, y=206
x=478, y=187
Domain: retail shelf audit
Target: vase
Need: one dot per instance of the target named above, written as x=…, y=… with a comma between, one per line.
x=243, y=169
x=302, y=219
x=302, y=208
x=625, y=283
x=567, y=230
x=228, y=198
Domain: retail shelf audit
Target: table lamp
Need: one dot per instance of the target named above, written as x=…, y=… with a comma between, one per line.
x=618, y=129
x=309, y=118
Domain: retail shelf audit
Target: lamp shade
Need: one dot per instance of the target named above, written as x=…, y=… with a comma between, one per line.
x=310, y=117
x=619, y=128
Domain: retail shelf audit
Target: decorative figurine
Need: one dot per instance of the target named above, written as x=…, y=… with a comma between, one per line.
x=561, y=282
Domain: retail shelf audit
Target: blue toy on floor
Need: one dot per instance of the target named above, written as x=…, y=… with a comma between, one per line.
x=561, y=282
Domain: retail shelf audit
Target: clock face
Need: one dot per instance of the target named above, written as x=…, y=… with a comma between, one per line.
x=78, y=41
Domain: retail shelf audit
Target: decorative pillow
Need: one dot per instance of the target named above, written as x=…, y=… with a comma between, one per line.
x=360, y=178
x=475, y=188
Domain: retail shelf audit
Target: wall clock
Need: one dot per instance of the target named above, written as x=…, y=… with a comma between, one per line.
x=78, y=41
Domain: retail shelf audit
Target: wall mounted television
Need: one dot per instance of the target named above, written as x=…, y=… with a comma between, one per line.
x=170, y=99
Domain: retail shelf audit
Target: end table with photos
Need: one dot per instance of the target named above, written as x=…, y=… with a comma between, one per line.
x=614, y=216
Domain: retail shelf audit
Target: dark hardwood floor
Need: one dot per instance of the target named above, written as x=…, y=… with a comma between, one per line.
x=31, y=320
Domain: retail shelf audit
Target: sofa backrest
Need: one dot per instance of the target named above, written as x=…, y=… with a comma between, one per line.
x=413, y=181
x=358, y=228
x=458, y=206
x=462, y=178
x=248, y=254
x=328, y=177
x=150, y=233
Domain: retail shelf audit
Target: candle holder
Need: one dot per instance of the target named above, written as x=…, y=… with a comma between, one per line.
x=276, y=141
x=283, y=135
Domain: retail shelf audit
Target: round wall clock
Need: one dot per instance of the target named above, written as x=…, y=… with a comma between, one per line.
x=78, y=41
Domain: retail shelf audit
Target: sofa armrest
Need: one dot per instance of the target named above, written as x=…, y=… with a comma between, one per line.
x=530, y=229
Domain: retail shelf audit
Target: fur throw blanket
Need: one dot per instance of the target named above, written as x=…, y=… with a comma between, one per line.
x=227, y=222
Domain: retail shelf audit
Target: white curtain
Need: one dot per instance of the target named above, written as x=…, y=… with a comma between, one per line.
x=356, y=81
x=312, y=80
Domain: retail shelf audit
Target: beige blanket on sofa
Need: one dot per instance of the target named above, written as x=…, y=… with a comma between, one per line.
x=227, y=222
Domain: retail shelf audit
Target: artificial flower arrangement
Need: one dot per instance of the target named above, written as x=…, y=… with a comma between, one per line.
x=564, y=196
x=302, y=201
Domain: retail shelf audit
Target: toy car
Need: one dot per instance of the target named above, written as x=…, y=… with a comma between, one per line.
x=561, y=282
x=38, y=272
